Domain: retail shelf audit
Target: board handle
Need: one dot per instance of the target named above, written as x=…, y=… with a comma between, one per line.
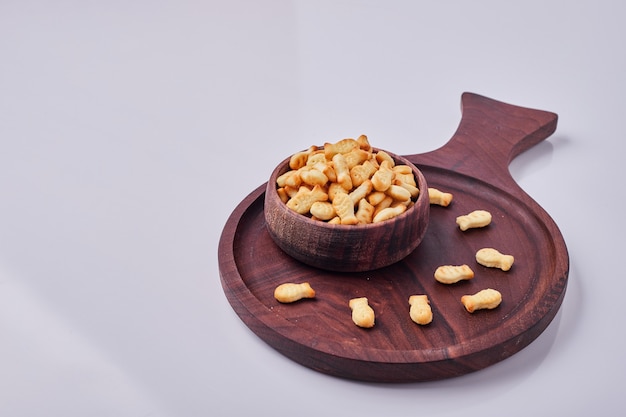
x=490, y=134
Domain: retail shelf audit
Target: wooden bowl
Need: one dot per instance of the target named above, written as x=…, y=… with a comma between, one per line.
x=346, y=248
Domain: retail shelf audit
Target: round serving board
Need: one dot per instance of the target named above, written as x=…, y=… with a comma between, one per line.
x=473, y=166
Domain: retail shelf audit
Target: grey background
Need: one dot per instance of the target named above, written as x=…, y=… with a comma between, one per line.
x=130, y=130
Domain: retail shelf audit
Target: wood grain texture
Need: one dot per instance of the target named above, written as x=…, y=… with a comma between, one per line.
x=473, y=165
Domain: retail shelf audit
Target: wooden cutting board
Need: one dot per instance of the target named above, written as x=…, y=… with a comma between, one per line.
x=473, y=166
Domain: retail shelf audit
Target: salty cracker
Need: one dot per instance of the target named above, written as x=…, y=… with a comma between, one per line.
x=313, y=177
x=292, y=191
x=362, y=172
x=420, y=311
x=475, y=219
x=438, y=197
x=319, y=162
x=387, y=201
x=450, y=274
x=402, y=169
x=289, y=179
x=344, y=207
x=376, y=197
x=329, y=171
x=383, y=177
x=361, y=192
x=340, y=147
x=303, y=200
x=291, y=292
x=384, y=203
x=492, y=258
x=334, y=189
x=398, y=193
x=382, y=156
x=364, y=143
x=322, y=210
x=407, y=178
x=282, y=194
x=299, y=159
x=389, y=213
x=316, y=159
x=364, y=212
x=484, y=299
x=356, y=157
x=413, y=190
x=362, y=314
x=342, y=171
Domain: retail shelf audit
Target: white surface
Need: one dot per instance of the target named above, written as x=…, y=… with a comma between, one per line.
x=129, y=132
